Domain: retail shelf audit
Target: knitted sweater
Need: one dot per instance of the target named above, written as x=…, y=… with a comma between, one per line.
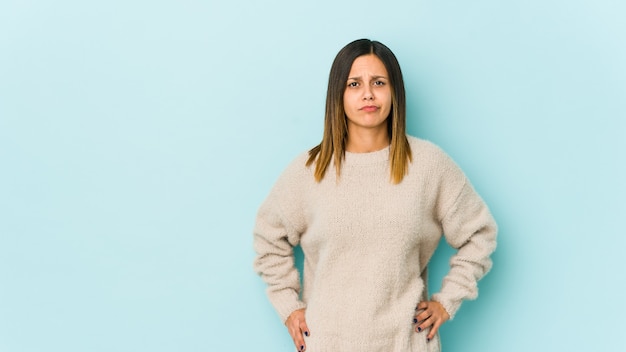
x=366, y=245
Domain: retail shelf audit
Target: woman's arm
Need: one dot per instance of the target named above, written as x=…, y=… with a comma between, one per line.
x=469, y=227
x=274, y=239
x=278, y=227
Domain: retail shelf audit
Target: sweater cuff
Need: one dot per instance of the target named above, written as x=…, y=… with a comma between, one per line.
x=450, y=305
x=285, y=303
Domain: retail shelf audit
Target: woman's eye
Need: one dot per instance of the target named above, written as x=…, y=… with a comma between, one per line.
x=379, y=83
x=353, y=84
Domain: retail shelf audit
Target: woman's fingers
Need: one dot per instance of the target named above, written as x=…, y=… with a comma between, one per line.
x=304, y=328
x=296, y=325
x=422, y=305
x=434, y=329
x=296, y=335
x=430, y=314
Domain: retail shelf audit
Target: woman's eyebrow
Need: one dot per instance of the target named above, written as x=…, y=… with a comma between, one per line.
x=359, y=78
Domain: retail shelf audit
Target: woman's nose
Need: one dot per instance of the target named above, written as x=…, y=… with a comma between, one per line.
x=367, y=94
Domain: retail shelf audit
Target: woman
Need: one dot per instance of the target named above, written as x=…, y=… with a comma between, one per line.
x=368, y=206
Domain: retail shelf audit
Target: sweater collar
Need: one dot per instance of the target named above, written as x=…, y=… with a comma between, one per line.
x=367, y=158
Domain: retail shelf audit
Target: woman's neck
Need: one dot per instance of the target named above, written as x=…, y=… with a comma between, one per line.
x=366, y=141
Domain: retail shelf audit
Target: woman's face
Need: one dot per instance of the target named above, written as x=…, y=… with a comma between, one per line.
x=367, y=97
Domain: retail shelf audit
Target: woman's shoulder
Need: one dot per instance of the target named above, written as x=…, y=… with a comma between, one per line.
x=425, y=149
x=298, y=164
x=296, y=170
x=428, y=156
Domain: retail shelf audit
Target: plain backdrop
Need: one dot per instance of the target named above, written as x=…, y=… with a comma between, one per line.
x=138, y=139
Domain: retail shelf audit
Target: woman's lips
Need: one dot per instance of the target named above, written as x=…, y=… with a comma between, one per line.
x=369, y=108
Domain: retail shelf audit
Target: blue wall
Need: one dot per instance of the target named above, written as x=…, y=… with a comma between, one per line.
x=138, y=138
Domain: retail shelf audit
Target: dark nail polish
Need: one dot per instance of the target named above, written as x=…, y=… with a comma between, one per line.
x=306, y=333
x=414, y=320
x=419, y=329
x=301, y=347
x=427, y=340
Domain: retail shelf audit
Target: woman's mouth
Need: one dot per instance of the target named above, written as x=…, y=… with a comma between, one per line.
x=369, y=108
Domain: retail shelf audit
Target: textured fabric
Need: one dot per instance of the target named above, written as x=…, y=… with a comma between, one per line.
x=367, y=243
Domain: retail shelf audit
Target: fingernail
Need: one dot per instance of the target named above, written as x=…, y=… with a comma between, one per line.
x=419, y=329
x=301, y=347
x=414, y=320
x=306, y=333
x=427, y=340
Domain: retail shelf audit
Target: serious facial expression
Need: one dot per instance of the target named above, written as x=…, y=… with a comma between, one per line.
x=367, y=97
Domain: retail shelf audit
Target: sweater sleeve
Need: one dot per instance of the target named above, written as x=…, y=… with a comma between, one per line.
x=275, y=235
x=468, y=227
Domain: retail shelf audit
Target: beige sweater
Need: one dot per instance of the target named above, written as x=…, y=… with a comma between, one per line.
x=367, y=243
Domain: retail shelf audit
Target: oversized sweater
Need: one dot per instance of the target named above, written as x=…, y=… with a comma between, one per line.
x=366, y=245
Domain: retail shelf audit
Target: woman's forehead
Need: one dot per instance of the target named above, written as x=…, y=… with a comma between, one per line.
x=369, y=65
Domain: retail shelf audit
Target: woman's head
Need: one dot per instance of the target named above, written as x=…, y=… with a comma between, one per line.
x=335, y=122
x=338, y=79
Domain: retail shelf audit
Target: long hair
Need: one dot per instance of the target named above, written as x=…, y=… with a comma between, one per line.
x=333, y=142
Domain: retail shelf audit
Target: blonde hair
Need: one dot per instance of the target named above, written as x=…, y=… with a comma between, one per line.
x=333, y=142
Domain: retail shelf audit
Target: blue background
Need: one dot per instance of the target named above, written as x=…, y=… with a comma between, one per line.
x=138, y=138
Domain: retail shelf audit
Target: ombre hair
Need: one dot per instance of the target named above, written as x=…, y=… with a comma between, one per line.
x=333, y=145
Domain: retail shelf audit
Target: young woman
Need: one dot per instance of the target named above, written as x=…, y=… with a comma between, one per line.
x=368, y=206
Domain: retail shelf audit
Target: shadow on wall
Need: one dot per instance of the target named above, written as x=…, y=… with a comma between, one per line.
x=299, y=257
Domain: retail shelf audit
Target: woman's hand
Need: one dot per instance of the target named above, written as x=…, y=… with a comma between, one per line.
x=296, y=325
x=430, y=314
